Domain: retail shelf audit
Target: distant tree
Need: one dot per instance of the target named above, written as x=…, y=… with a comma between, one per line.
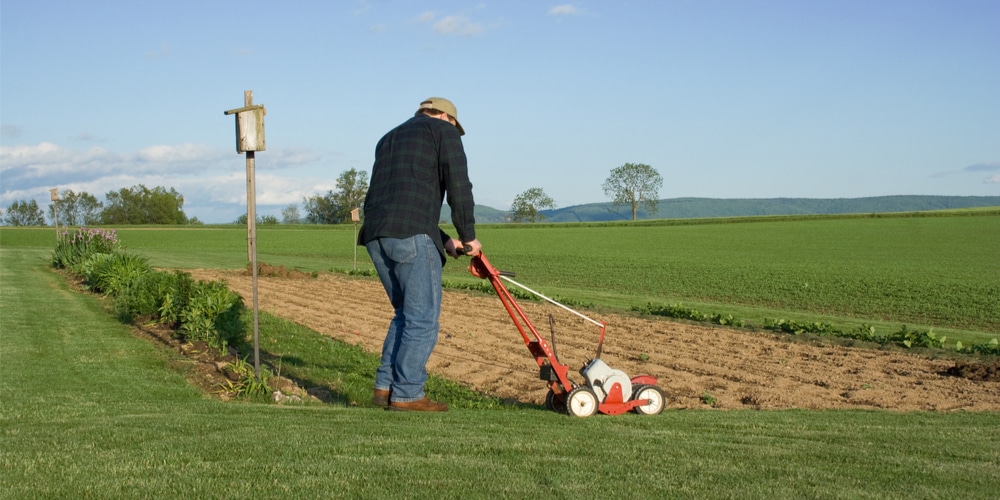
x=262, y=220
x=335, y=207
x=88, y=209
x=352, y=186
x=526, y=206
x=141, y=205
x=194, y=221
x=24, y=213
x=290, y=215
x=634, y=184
x=320, y=209
x=75, y=209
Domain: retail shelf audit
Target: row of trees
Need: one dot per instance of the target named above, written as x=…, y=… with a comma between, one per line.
x=134, y=205
x=632, y=185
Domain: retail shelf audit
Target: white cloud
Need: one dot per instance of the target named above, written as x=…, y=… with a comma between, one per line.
x=174, y=155
x=223, y=198
x=364, y=8
x=426, y=17
x=212, y=180
x=992, y=180
x=458, y=25
x=48, y=160
x=454, y=25
x=564, y=10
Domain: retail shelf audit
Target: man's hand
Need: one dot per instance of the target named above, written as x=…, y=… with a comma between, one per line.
x=456, y=247
x=473, y=248
x=452, y=246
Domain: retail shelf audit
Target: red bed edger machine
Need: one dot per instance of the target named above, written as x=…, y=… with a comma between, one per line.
x=605, y=390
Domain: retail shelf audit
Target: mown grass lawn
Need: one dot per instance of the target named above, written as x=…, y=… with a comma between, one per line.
x=89, y=410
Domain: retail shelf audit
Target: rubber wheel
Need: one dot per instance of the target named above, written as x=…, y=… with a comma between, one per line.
x=556, y=402
x=656, y=400
x=581, y=402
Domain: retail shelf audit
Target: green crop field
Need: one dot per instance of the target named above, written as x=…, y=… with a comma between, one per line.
x=89, y=410
x=936, y=272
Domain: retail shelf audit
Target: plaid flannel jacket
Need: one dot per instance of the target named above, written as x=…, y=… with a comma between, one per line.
x=417, y=165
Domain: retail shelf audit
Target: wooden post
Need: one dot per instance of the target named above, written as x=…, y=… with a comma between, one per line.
x=249, y=139
x=54, y=195
x=355, y=217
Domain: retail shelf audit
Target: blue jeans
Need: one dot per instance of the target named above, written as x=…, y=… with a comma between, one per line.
x=410, y=270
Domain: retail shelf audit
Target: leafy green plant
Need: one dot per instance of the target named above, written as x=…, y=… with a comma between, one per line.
x=782, y=325
x=904, y=336
x=991, y=348
x=88, y=268
x=709, y=399
x=680, y=312
x=212, y=315
x=911, y=338
x=156, y=295
x=356, y=272
x=247, y=384
x=175, y=297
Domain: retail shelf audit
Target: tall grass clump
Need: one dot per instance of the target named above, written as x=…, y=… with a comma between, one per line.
x=73, y=248
x=196, y=310
x=97, y=257
x=112, y=274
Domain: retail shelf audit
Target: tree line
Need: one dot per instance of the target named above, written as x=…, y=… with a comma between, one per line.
x=133, y=205
x=631, y=185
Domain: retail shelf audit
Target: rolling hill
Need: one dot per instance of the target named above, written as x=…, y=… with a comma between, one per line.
x=693, y=208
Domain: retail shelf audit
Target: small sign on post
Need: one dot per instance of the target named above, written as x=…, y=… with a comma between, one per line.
x=249, y=139
x=356, y=218
x=54, y=196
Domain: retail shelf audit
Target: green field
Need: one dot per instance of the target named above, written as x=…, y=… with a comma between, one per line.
x=937, y=272
x=88, y=410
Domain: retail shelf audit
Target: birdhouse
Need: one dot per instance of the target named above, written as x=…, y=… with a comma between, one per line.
x=54, y=194
x=249, y=128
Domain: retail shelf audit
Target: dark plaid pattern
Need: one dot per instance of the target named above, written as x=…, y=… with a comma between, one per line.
x=417, y=165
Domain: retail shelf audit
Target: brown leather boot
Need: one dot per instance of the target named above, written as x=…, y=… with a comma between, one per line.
x=381, y=398
x=419, y=405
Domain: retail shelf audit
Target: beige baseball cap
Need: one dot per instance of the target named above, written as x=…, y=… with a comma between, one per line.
x=442, y=104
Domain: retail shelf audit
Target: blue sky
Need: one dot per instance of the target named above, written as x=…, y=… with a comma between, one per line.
x=725, y=98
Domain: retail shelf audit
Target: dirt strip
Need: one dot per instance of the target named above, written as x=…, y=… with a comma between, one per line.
x=697, y=366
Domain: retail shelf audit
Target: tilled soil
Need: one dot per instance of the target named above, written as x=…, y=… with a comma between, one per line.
x=697, y=366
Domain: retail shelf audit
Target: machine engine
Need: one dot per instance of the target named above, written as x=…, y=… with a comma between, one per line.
x=601, y=378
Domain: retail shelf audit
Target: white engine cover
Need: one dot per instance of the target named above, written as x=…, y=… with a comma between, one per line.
x=601, y=377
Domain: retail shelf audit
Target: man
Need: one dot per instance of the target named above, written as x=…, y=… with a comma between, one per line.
x=417, y=165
